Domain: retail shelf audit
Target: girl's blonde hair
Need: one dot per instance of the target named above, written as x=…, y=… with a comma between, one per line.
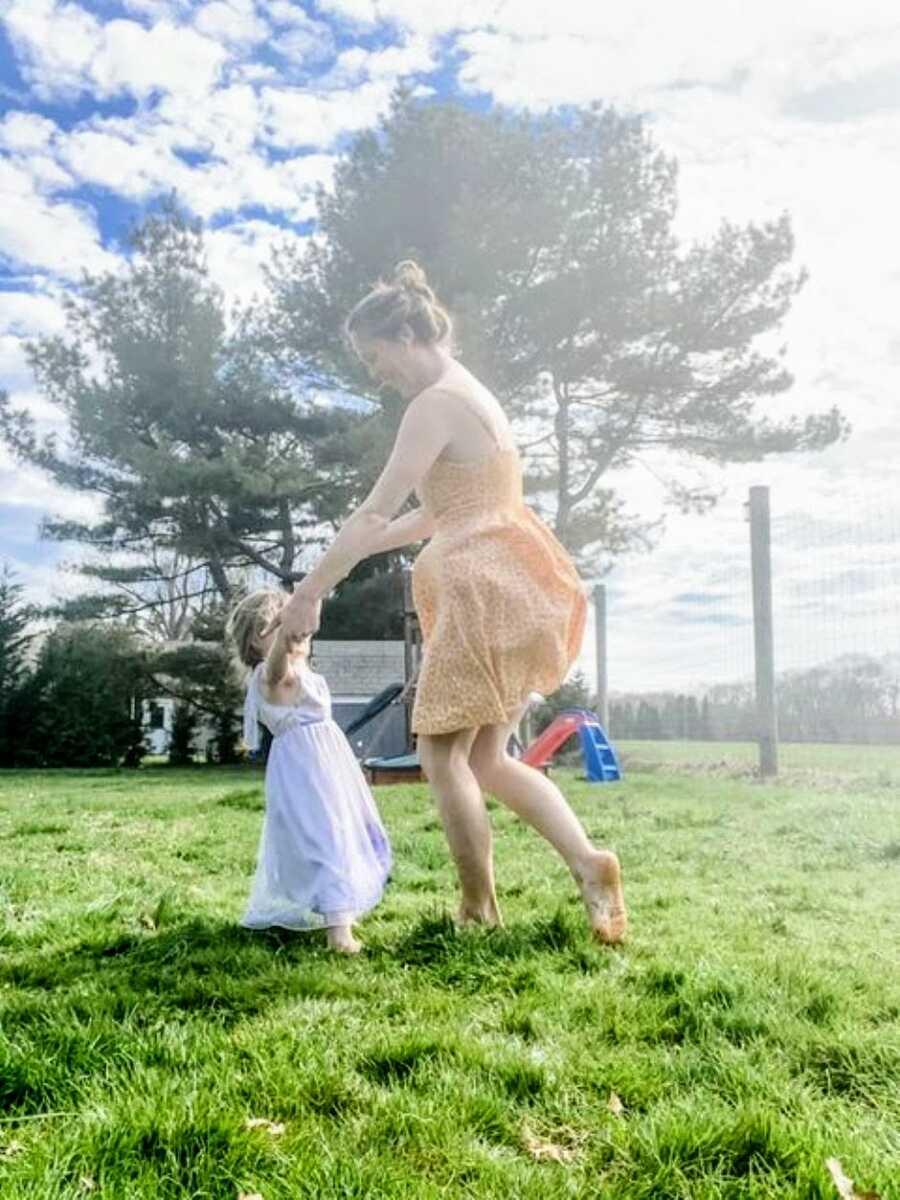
x=404, y=302
x=248, y=619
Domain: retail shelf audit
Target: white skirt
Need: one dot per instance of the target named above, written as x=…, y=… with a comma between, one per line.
x=324, y=856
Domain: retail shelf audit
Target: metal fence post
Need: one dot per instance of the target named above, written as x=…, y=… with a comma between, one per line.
x=763, y=637
x=600, y=644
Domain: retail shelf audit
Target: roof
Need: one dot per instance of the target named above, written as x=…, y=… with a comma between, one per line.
x=358, y=668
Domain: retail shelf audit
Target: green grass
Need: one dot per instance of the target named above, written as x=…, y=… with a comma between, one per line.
x=751, y=1027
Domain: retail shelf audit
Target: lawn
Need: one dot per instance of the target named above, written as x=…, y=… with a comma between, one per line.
x=879, y=763
x=749, y=1030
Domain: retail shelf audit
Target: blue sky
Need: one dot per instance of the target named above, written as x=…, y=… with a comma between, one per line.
x=242, y=107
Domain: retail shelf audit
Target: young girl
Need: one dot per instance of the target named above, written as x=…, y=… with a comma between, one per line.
x=324, y=856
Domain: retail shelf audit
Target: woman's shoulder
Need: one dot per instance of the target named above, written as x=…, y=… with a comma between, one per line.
x=456, y=398
x=456, y=383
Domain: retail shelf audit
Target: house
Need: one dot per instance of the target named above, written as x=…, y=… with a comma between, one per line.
x=356, y=672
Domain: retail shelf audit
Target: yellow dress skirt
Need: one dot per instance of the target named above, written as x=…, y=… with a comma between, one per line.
x=500, y=604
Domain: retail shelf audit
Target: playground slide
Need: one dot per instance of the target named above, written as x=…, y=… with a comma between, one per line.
x=554, y=737
x=375, y=706
x=600, y=762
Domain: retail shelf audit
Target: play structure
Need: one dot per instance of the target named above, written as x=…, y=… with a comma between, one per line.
x=374, y=708
x=403, y=768
x=600, y=762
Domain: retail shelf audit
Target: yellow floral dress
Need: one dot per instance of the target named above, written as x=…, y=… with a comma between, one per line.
x=499, y=601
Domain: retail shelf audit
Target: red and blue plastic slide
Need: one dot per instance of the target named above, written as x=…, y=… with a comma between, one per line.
x=600, y=761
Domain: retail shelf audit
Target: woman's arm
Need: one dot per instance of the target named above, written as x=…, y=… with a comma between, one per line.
x=422, y=435
x=420, y=439
x=412, y=527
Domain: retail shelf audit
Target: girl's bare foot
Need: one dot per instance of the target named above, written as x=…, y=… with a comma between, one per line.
x=600, y=880
x=341, y=939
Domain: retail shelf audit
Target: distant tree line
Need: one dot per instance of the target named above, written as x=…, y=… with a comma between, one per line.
x=854, y=699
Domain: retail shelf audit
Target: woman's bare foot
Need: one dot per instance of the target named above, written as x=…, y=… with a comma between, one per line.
x=483, y=914
x=600, y=880
x=341, y=939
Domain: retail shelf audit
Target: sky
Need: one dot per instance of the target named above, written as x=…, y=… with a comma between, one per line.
x=243, y=106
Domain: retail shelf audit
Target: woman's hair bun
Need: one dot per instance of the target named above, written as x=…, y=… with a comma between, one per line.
x=409, y=275
x=402, y=303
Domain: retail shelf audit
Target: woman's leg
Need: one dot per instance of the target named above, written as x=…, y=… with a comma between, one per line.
x=445, y=761
x=533, y=797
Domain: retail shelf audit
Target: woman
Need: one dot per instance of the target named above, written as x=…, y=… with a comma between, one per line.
x=500, y=604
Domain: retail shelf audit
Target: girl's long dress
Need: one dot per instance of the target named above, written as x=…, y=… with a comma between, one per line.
x=324, y=856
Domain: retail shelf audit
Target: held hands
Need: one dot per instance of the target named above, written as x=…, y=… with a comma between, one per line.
x=300, y=617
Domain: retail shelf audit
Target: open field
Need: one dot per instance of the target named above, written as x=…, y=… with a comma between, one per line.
x=878, y=765
x=749, y=1030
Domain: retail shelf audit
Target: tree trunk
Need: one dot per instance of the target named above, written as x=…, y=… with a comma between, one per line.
x=220, y=578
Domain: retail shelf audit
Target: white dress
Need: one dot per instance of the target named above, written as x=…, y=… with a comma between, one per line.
x=324, y=856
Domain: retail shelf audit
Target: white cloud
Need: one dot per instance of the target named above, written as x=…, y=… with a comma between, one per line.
x=23, y=317
x=571, y=52
x=154, y=9
x=283, y=12
x=225, y=122
x=54, y=44
x=234, y=22
x=28, y=488
x=446, y=17
x=30, y=314
x=14, y=369
x=360, y=12
x=39, y=234
x=25, y=131
x=130, y=166
x=296, y=36
x=415, y=56
x=136, y=157
x=64, y=51
x=299, y=117
x=166, y=57
x=285, y=187
x=238, y=252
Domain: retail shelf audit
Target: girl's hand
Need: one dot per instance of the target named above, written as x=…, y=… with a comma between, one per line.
x=299, y=618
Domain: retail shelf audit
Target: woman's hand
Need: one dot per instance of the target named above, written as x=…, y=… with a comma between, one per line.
x=300, y=617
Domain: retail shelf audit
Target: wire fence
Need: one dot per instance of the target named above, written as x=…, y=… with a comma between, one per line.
x=836, y=618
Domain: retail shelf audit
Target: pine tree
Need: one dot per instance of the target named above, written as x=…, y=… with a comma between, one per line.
x=90, y=683
x=198, y=451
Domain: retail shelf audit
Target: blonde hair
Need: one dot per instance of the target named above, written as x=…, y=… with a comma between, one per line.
x=248, y=619
x=405, y=302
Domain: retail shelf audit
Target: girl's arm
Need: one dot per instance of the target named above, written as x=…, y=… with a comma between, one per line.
x=277, y=658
